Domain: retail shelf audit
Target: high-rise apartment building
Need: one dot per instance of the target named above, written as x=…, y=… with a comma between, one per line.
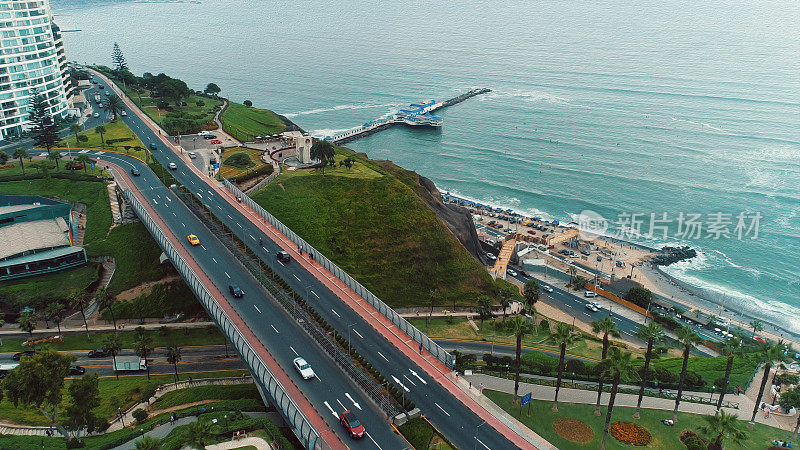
x=32, y=60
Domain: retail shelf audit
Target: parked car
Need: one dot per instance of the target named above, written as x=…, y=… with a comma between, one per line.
x=216, y=141
x=135, y=172
x=209, y=136
x=172, y=166
x=77, y=370
x=284, y=256
x=491, y=257
x=303, y=368
x=235, y=291
x=18, y=356
x=592, y=307
x=352, y=424
x=589, y=294
x=99, y=353
x=511, y=272
x=192, y=155
x=586, y=252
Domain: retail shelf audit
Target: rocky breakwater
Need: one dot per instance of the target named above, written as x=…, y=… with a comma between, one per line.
x=670, y=255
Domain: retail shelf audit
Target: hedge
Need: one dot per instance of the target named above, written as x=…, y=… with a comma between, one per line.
x=264, y=170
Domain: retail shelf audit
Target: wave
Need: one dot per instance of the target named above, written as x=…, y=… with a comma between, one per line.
x=339, y=108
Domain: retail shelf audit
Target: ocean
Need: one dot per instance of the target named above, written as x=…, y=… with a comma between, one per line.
x=624, y=109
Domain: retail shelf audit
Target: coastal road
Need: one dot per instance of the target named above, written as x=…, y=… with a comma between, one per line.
x=452, y=417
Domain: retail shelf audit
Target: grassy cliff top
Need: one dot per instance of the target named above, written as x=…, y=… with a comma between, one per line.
x=372, y=222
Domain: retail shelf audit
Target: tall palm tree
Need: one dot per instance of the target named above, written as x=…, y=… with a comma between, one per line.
x=21, y=153
x=652, y=333
x=721, y=426
x=606, y=326
x=113, y=104
x=573, y=272
x=531, y=292
x=113, y=345
x=85, y=160
x=757, y=326
x=56, y=156
x=100, y=129
x=730, y=347
x=75, y=129
x=519, y=327
x=174, y=356
x=324, y=152
x=55, y=312
x=143, y=345
x=767, y=354
x=615, y=366
x=106, y=301
x=688, y=338
x=504, y=302
x=79, y=300
x=564, y=336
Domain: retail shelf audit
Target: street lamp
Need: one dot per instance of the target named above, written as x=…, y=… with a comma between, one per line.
x=141, y=430
x=119, y=414
x=226, y=423
x=349, y=327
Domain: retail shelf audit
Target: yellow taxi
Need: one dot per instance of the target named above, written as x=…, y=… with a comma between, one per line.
x=193, y=240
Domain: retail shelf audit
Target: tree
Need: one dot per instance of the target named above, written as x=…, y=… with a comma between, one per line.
x=148, y=443
x=484, y=308
x=688, y=338
x=652, y=333
x=56, y=156
x=531, y=292
x=507, y=293
x=143, y=345
x=21, y=153
x=519, y=327
x=640, y=296
x=106, y=301
x=75, y=129
x=757, y=326
x=27, y=322
x=615, y=366
x=38, y=381
x=80, y=300
x=573, y=272
x=721, y=426
x=100, y=129
x=113, y=345
x=43, y=130
x=173, y=89
x=85, y=396
x=730, y=347
x=564, y=336
x=504, y=302
x=248, y=103
x=767, y=354
x=324, y=152
x=113, y=104
x=791, y=399
x=605, y=326
x=3, y=157
x=55, y=312
x=200, y=431
x=85, y=160
x=118, y=59
x=212, y=89
x=173, y=357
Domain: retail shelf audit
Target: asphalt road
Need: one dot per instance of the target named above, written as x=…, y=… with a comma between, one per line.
x=281, y=335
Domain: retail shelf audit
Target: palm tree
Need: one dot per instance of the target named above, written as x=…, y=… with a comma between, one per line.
x=174, y=356
x=21, y=153
x=143, y=345
x=56, y=156
x=721, y=426
x=519, y=327
x=324, y=152
x=687, y=337
x=106, y=301
x=606, y=326
x=113, y=345
x=484, y=307
x=200, y=431
x=531, y=293
x=730, y=347
x=767, y=354
x=55, y=312
x=652, y=333
x=148, y=443
x=100, y=130
x=791, y=399
x=564, y=336
x=85, y=160
x=75, y=129
x=113, y=104
x=617, y=364
x=757, y=326
x=504, y=302
x=27, y=322
x=573, y=273
x=78, y=299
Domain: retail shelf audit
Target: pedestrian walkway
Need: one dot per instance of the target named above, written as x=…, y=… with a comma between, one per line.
x=256, y=442
x=159, y=432
x=11, y=331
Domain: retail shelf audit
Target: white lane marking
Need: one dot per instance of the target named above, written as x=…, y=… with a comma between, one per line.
x=256, y=307
x=409, y=380
x=331, y=410
x=355, y=403
x=251, y=237
x=373, y=441
x=359, y=334
x=337, y=314
x=154, y=201
x=400, y=383
x=214, y=259
x=200, y=195
x=317, y=377
x=315, y=294
x=484, y=445
x=183, y=224
x=229, y=217
x=219, y=207
x=276, y=330
x=295, y=277
x=587, y=315
x=226, y=274
x=209, y=192
x=240, y=225
x=340, y=404
x=281, y=264
x=293, y=350
x=383, y=356
x=437, y=405
x=416, y=375
x=174, y=214
x=167, y=198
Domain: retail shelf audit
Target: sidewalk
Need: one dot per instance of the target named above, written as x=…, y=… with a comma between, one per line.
x=11, y=331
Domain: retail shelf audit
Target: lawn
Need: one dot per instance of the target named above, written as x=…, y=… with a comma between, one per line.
x=163, y=300
x=422, y=435
x=238, y=160
x=380, y=231
x=541, y=421
x=12, y=168
x=193, y=394
x=244, y=123
x=39, y=290
x=116, y=137
x=184, y=119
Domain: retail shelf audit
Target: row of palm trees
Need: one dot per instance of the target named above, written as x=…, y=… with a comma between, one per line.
x=617, y=364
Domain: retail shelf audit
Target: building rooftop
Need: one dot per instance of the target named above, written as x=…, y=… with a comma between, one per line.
x=15, y=208
x=27, y=236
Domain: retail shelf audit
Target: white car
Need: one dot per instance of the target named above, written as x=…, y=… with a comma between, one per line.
x=172, y=166
x=96, y=115
x=547, y=288
x=491, y=256
x=192, y=155
x=589, y=294
x=511, y=272
x=123, y=114
x=303, y=368
x=592, y=307
x=107, y=94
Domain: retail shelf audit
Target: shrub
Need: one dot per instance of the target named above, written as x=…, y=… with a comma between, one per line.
x=248, y=103
x=74, y=443
x=573, y=430
x=544, y=324
x=630, y=433
x=693, y=379
x=240, y=160
x=577, y=366
x=102, y=425
x=83, y=138
x=692, y=441
x=264, y=170
x=163, y=105
x=140, y=415
x=201, y=103
x=787, y=378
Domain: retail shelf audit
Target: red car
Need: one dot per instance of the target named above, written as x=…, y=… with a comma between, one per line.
x=351, y=423
x=216, y=141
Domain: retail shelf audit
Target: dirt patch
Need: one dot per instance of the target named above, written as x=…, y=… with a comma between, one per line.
x=145, y=288
x=573, y=430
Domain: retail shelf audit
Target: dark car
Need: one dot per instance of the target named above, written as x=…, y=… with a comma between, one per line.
x=135, y=172
x=77, y=370
x=99, y=353
x=352, y=425
x=18, y=356
x=284, y=257
x=102, y=87
x=209, y=136
x=236, y=291
x=153, y=147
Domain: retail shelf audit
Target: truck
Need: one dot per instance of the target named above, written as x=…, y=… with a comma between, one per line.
x=129, y=364
x=5, y=368
x=97, y=97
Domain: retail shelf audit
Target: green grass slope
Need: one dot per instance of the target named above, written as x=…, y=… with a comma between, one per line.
x=244, y=122
x=375, y=226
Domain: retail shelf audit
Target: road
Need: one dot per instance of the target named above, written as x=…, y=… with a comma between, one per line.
x=443, y=409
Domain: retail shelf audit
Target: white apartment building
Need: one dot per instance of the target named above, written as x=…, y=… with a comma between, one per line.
x=32, y=59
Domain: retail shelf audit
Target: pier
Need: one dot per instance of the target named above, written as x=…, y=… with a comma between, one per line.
x=417, y=114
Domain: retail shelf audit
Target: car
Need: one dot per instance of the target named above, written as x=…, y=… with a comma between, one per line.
x=216, y=141
x=511, y=272
x=96, y=115
x=491, y=257
x=546, y=288
x=102, y=87
x=108, y=94
x=99, y=353
x=99, y=104
x=284, y=256
x=586, y=252
x=172, y=166
x=94, y=81
x=192, y=155
x=351, y=423
x=589, y=294
x=235, y=291
x=304, y=368
x=123, y=113
x=18, y=356
x=153, y=147
x=135, y=172
x=193, y=240
x=77, y=370
x=209, y=136
x=205, y=133
x=592, y=307
x=531, y=232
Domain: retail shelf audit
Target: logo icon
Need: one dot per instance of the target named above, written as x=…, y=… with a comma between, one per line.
x=591, y=225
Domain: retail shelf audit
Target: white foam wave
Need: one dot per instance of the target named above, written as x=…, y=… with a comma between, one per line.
x=528, y=95
x=339, y=108
x=329, y=132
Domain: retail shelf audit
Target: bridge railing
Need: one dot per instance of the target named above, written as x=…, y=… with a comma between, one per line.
x=400, y=322
x=264, y=377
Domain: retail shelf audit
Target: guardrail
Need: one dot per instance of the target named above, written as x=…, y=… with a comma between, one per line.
x=433, y=348
x=268, y=382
